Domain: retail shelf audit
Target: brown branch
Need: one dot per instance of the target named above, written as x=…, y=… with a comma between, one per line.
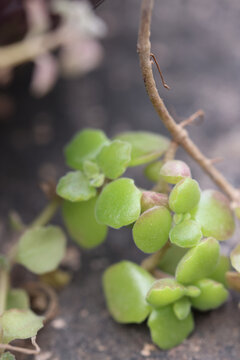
x=22, y=350
x=160, y=72
x=179, y=134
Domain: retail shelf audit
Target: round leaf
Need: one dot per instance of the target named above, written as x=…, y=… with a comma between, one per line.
x=119, y=203
x=199, y=262
x=114, y=158
x=41, y=249
x=213, y=295
x=17, y=299
x=151, y=230
x=19, y=324
x=79, y=218
x=235, y=258
x=184, y=196
x=84, y=146
x=152, y=171
x=186, y=234
x=125, y=286
x=166, y=329
x=214, y=215
x=182, y=308
x=175, y=170
x=146, y=146
x=164, y=292
x=74, y=186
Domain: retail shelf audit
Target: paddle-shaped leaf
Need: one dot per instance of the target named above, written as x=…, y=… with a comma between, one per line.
x=146, y=146
x=41, y=249
x=125, y=286
x=74, y=186
x=84, y=146
x=79, y=218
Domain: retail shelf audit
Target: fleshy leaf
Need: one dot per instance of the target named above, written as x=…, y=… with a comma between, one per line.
x=146, y=146
x=164, y=292
x=166, y=329
x=235, y=258
x=182, y=308
x=119, y=203
x=152, y=171
x=221, y=269
x=171, y=259
x=90, y=169
x=84, y=146
x=175, y=170
x=186, y=234
x=184, y=196
x=151, y=230
x=199, y=262
x=74, y=186
x=213, y=295
x=114, y=158
x=192, y=291
x=19, y=324
x=150, y=199
x=125, y=286
x=41, y=249
x=214, y=214
x=81, y=223
x=17, y=299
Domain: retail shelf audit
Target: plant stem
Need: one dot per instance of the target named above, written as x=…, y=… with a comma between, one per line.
x=179, y=134
x=46, y=215
x=152, y=261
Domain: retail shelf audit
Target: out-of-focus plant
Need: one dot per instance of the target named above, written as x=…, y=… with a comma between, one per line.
x=75, y=32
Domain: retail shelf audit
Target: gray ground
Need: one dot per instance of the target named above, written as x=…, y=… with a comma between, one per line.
x=197, y=45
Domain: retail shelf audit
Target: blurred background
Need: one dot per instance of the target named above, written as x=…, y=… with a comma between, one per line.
x=92, y=79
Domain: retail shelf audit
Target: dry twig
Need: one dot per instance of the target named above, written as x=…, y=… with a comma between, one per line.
x=179, y=134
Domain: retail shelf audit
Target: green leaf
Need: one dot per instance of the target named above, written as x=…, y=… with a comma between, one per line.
x=152, y=171
x=164, y=292
x=114, y=158
x=199, y=262
x=90, y=169
x=174, y=171
x=17, y=299
x=151, y=230
x=213, y=295
x=74, y=186
x=41, y=249
x=166, y=329
x=84, y=146
x=19, y=324
x=119, y=203
x=184, y=196
x=146, y=146
x=221, y=269
x=186, y=234
x=192, y=291
x=97, y=181
x=235, y=258
x=182, y=308
x=214, y=214
x=125, y=286
x=7, y=356
x=150, y=199
x=171, y=258
x=81, y=223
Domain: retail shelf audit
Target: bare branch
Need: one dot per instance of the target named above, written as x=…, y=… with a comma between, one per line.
x=179, y=134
